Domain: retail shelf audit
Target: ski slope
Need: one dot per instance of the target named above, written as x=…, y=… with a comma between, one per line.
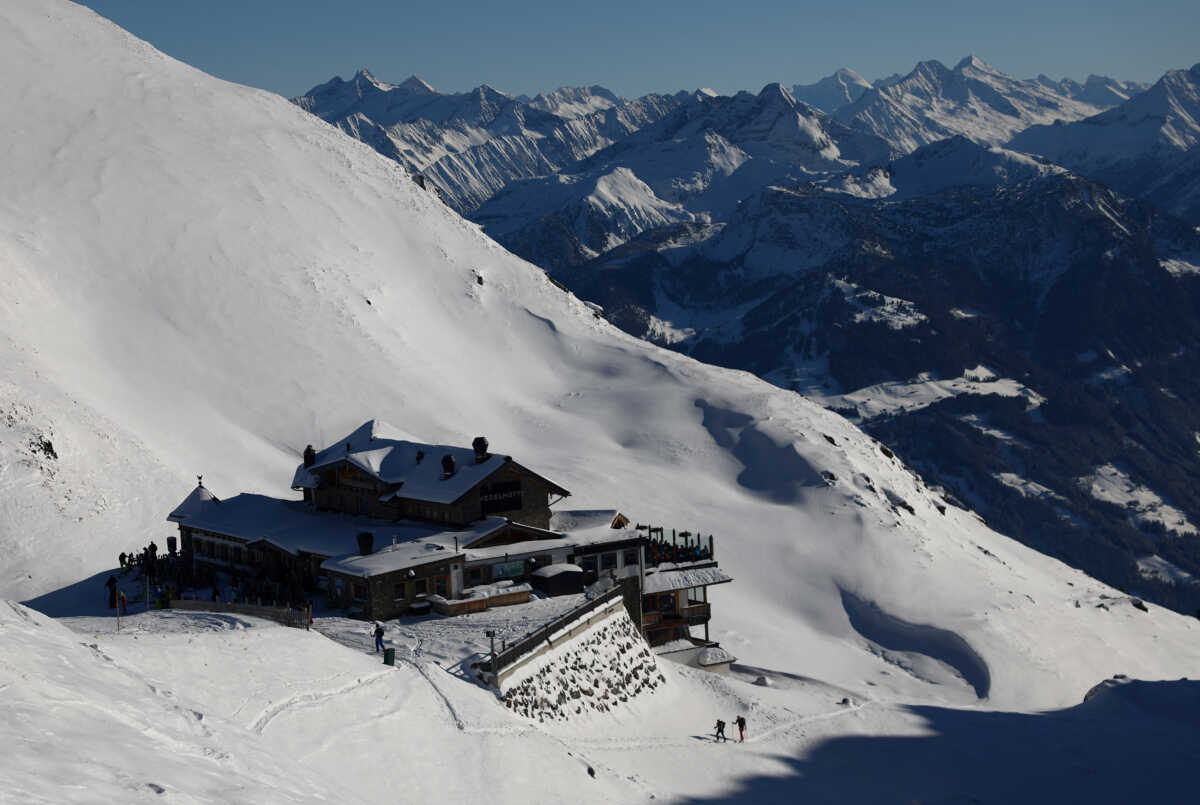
x=202, y=278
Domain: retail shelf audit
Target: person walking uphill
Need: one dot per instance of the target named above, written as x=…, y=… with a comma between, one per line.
x=720, y=736
x=741, y=725
x=378, y=637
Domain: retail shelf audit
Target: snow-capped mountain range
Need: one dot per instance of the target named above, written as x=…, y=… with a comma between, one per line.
x=472, y=144
x=973, y=99
x=692, y=166
x=1144, y=147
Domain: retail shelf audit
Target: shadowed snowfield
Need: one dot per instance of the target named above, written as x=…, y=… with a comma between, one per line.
x=202, y=278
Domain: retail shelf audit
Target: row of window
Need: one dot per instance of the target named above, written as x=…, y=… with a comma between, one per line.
x=608, y=560
x=441, y=586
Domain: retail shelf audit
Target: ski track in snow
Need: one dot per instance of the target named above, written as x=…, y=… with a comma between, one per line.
x=312, y=697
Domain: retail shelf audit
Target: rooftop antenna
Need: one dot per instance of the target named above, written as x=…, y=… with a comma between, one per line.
x=200, y=480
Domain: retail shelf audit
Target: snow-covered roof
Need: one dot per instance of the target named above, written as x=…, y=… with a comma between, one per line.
x=391, y=558
x=382, y=452
x=192, y=503
x=533, y=532
x=294, y=526
x=684, y=577
x=554, y=570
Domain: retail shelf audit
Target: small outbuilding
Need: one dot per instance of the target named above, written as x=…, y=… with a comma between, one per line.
x=560, y=579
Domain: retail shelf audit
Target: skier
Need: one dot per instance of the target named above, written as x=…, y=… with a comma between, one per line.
x=124, y=602
x=720, y=736
x=741, y=725
x=122, y=558
x=378, y=637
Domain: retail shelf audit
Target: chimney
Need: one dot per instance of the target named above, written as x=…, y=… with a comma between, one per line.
x=447, y=466
x=480, y=445
x=310, y=456
x=366, y=543
x=420, y=455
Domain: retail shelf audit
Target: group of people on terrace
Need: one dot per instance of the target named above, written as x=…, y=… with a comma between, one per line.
x=679, y=548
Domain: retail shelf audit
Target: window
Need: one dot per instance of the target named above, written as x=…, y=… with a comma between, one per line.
x=588, y=563
x=475, y=576
x=439, y=585
x=399, y=593
x=630, y=557
x=359, y=591
x=237, y=555
x=608, y=561
x=421, y=586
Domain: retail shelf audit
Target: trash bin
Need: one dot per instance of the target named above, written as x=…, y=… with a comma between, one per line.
x=389, y=656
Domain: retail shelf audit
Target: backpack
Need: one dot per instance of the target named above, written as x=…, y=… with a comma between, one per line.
x=720, y=725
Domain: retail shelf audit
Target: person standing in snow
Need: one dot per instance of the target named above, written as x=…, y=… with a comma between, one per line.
x=741, y=725
x=124, y=602
x=122, y=560
x=378, y=637
x=111, y=584
x=720, y=736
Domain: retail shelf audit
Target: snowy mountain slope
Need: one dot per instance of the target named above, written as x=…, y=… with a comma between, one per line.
x=973, y=100
x=472, y=144
x=188, y=260
x=832, y=92
x=1142, y=147
x=960, y=256
x=953, y=162
x=82, y=724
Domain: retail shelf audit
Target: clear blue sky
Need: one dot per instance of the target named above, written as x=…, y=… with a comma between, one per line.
x=288, y=46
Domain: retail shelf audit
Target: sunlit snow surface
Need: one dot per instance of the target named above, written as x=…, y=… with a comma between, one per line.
x=202, y=278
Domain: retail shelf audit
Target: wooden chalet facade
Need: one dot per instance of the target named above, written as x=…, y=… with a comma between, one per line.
x=374, y=475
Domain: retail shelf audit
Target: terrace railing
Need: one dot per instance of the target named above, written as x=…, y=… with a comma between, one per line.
x=534, y=640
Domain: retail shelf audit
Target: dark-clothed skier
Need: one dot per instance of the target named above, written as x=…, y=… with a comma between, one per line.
x=124, y=602
x=720, y=736
x=111, y=584
x=378, y=637
x=741, y=725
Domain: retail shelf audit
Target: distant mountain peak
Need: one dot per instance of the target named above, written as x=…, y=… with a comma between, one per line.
x=832, y=92
x=976, y=63
x=415, y=83
x=364, y=74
